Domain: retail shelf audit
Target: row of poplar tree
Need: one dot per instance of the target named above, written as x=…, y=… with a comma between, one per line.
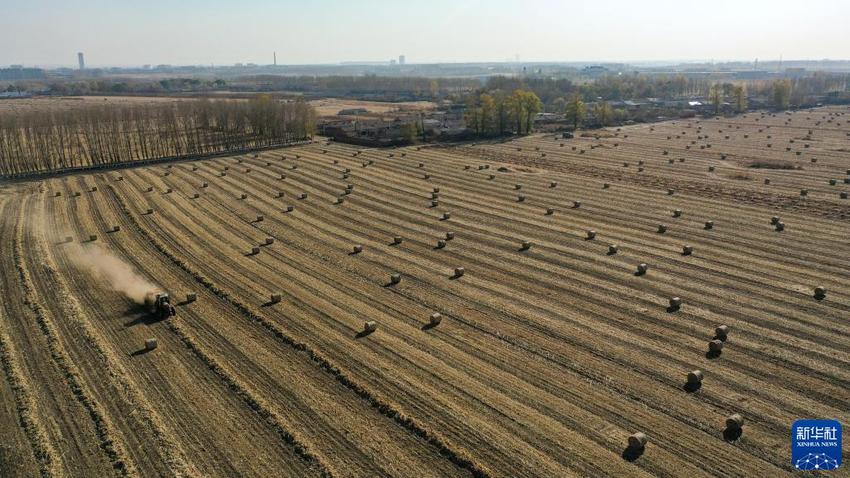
x=104, y=134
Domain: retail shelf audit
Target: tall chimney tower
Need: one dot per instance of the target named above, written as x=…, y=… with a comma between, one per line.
x=275, y=58
x=81, y=60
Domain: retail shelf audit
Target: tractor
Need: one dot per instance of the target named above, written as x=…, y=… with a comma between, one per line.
x=158, y=303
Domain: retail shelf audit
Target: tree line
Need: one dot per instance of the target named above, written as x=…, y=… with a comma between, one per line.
x=43, y=141
x=499, y=113
x=365, y=86
x=556, y=93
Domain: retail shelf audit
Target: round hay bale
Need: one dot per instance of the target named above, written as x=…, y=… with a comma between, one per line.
x=357, y=249
x=721, y=332
x=205, y=185
x=780, y=226
x=520, y=197
x=94, y=189
x=116, y=228
x=715, y=346
x=677, y=213
x=290, y=208
x=576, y=204
x=269, y=241
x=243, y=196
x=150, y=344
x=275, y=298
x=92, y=237
x=260, y=218
x=637, y=441
x=435, y=190
x=191, y=297
x=459, y=272
x=395, y=278
x=804, y=192
x=606, y=185
x=255, y=251
x=441, y=243
x=820, y=292
x=662, y=228
x=150, y=189
x=168, y=191
x=553, y=184
x=491, y=177
x=774, y=220
x=709, y=224
x=613, y=249
x=711, y=169
x=302, y=196
x=195, y=196
x=435, y=203
x=842, y=195
x=57, y=193
x=447, y=216
x=526, y=245
x=642, y=268
x=550, y=211
x=675, y=303
x=734, y=421
x=687, y=250
x=766, y=180
x=671, y=192
x=590, y=234
x=435, y=318
x=518, y=186
x=339, y=200
x=695, y=377
x=450, y=235
x=149, y=211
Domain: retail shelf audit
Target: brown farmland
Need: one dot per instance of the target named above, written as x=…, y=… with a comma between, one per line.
x=549, y=349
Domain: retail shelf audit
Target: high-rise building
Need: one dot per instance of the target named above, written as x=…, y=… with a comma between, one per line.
x=401, y=59
x=81, y=60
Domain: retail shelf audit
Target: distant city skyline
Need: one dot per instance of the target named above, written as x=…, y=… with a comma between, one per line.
x=49, y=33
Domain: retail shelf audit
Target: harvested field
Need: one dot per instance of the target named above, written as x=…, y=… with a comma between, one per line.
x=542, y=361
x=332, y=106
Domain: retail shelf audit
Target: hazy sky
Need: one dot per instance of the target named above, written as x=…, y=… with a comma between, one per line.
x=119, y=32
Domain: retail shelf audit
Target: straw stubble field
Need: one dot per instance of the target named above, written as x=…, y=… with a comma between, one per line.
x=552, y=349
